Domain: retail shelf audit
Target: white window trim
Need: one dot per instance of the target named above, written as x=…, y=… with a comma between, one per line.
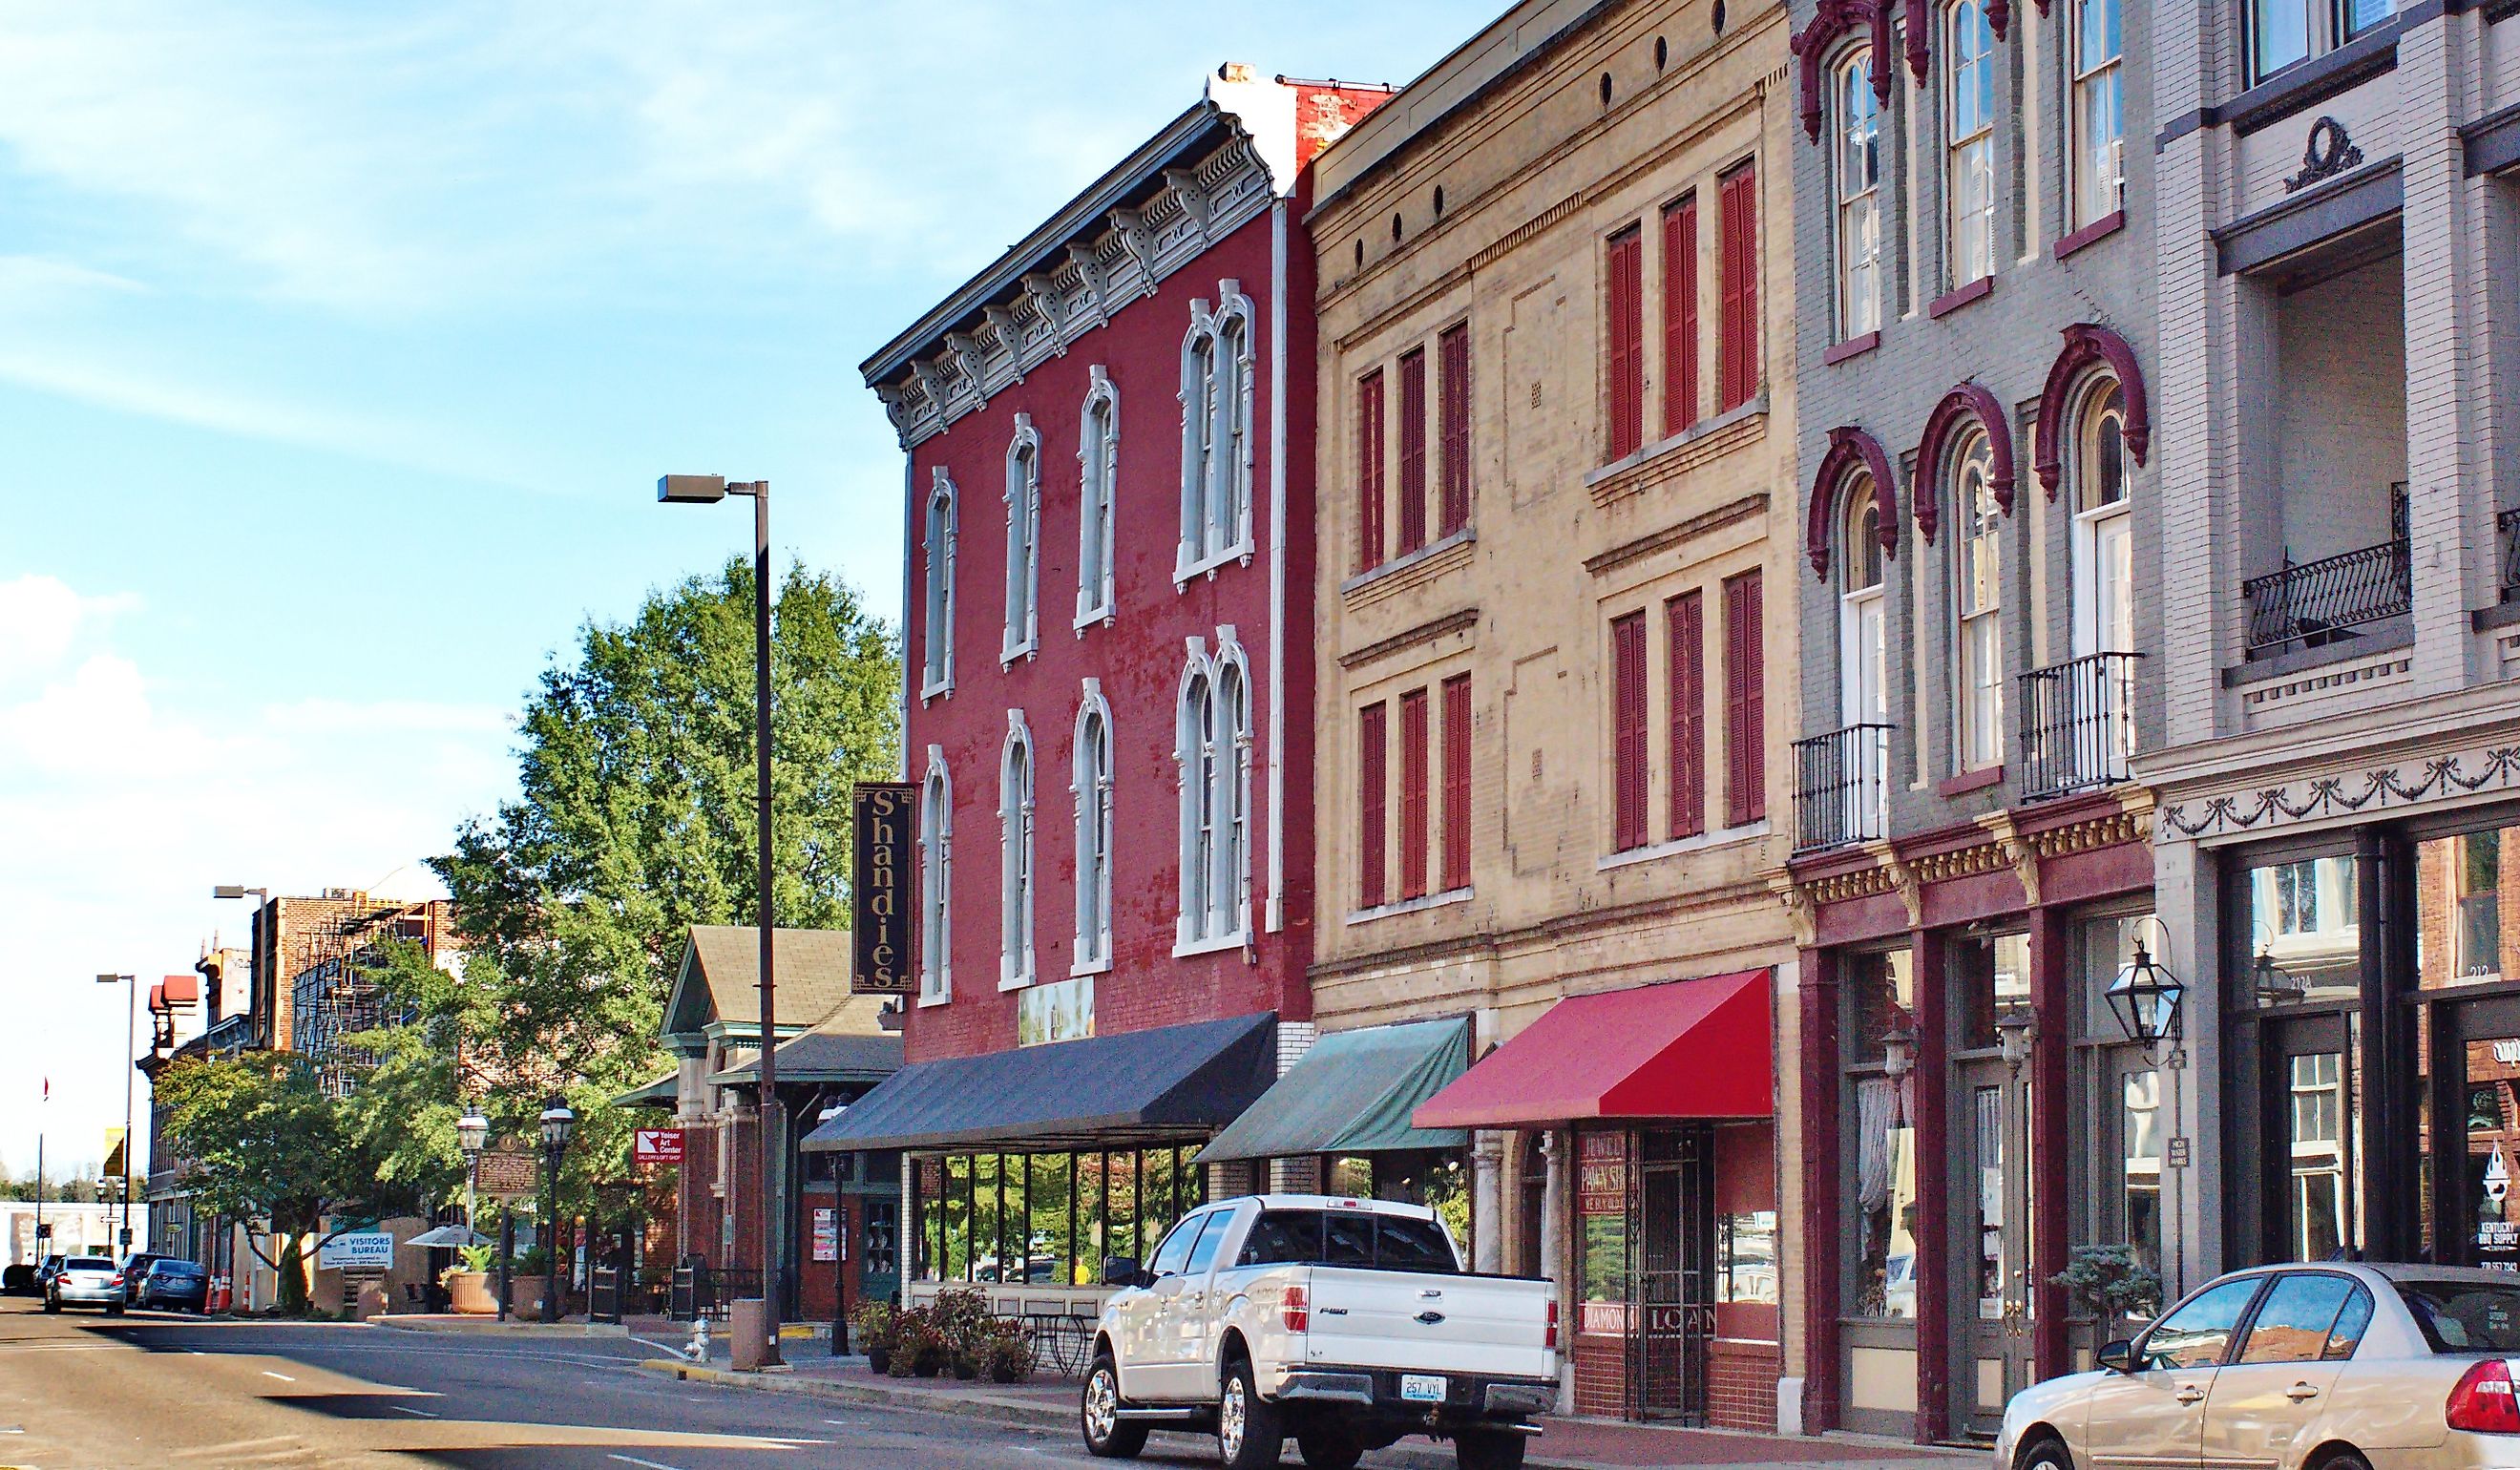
x=1225, y=485
x=1097, y=457
x=1094, y=793
x=2089, y=400
x=1019, y=878
x=1023, y=513
x=936, y=882
x=1220, y=805
x=936, y=658
x=1966, y=760
x=1844, y=85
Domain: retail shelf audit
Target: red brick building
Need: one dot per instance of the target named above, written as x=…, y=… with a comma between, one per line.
x=1109, y=565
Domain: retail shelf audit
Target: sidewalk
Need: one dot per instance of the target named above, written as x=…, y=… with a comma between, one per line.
x=1567, y=1444
x=490, y=1326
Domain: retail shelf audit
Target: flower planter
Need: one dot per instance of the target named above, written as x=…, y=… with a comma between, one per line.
x=474, y=1292
x=879, y=1358
x=524, y=1297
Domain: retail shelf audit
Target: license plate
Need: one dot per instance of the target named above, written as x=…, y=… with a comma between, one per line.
x=1422, y=1388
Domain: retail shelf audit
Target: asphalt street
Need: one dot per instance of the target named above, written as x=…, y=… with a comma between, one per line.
x=151, y=1392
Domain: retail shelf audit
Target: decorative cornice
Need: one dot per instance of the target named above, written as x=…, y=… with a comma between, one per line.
x=2088, y=344
x=2416, y=780
x=1849, y=448
x=1461, y=620
x=1812, y=47
x=1971, y=399
x=1703, y=523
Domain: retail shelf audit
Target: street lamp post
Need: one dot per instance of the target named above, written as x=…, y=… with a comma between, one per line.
x=710, y=489
x=471, y=1130
x=130, y=1062
x=557, y=1121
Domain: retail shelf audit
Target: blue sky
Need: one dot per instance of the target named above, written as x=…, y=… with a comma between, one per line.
x=342, y=346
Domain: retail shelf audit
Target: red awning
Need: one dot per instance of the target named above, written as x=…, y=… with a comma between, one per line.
x=1689, y=1048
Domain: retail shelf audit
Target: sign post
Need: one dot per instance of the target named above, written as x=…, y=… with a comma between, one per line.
x=885, y=837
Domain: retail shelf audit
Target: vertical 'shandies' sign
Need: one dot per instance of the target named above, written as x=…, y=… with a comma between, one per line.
x=880, y=887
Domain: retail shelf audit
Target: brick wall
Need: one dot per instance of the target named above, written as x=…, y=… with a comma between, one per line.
x=1741, y=1384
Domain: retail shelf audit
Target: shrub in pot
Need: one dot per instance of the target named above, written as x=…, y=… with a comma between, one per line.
x=872, y=1324
x=1008, y=1357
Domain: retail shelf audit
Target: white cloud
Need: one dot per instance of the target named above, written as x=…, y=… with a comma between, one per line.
x=42, y=618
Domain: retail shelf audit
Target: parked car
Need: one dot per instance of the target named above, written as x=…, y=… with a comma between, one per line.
x=135, y=1269
x=1344, y=1324
x=2299, y=1367
x=171, y=1284
x=45, y=1271
x=86, y=1281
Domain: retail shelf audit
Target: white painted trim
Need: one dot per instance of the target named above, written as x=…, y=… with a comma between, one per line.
x=1216, y=945
x=1275, y=909
x=1443, y=900
x=1720, y=837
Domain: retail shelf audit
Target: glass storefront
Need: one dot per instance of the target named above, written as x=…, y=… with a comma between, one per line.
x=1049, y=1217
x=1880, y=998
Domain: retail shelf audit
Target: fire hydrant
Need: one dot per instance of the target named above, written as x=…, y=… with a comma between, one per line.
x=698, y=1351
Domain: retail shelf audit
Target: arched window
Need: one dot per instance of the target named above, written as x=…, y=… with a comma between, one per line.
x=1216, y=433
x=1097, y=459
x=1968, y=117
x=2099, y=112
x=937, y=662
x=1016, y=857
x=1863, y=654
x=1977, y=602
x=1092, y=786
x=1022, y=635
x=1859, y=195
x=2105, y=570
x=1214, y=746
x=935, y=882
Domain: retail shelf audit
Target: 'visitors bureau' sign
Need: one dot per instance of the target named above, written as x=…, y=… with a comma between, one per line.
x=885, y=844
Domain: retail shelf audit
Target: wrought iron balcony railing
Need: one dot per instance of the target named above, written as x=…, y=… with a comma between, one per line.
x=2078, y=724
x=2321, y=601
x=1841, y=787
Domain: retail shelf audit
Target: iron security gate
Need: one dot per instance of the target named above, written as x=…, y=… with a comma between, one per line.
x=1671, y=1207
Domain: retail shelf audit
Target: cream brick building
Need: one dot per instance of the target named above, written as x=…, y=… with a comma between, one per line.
x=1555, y=447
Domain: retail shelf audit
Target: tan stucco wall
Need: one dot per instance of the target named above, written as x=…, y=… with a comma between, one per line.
x=1536, y=175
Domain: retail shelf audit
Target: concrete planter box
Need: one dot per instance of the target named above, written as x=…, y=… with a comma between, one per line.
x=475, y=1292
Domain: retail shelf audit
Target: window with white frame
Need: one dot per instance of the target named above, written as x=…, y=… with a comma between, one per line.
x=1977, y=602
x=1092, y=786
x=2099, y=112
x=1023, y=543
x=935, y=882
x=1968, y=113
x=1216, y=433
x=1015, y=856
x=2282, y=32
x=1858, y=197
x=1213, y=748
x=1098, y=460
x=936, y=675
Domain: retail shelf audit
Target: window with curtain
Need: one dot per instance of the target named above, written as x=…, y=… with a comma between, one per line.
x=936, y=884
x=2099, y=112
x=1977, y=602
x=1097, y=459
x=1024, y=542
x=937, y=660
x=1877, y=998
x=1858, y=187
x=1969, y=115
x=1015, y=839
x=1092, y=787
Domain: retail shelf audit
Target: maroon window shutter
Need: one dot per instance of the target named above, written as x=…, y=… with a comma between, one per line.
x=1413, y=451
x=1745, y=703
x=1625, y=360
x=1369, y=785
x=1627, y=753
x=1685, y=618
x=1413, y=794
x=1457, y=781
x=1740, y=346
x=1453, y=362
x=1369, y=471
x=1680, y=315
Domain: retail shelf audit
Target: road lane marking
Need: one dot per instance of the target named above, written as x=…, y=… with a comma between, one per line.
x=283, y=1377
x=632, y=1459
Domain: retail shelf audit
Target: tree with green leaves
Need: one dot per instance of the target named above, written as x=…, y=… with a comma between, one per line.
x=264, y=1143
x=634, y=821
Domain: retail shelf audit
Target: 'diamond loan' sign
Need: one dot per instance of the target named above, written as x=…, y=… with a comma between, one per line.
x=883, y=842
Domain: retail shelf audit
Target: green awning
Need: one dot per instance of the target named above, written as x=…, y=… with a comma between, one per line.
x=657, y=1093
x=1353, y=1094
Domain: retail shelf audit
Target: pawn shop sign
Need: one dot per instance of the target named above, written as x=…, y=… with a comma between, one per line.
x=657, y=1146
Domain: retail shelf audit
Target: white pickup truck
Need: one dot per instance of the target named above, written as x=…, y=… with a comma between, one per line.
x=1343, y=1324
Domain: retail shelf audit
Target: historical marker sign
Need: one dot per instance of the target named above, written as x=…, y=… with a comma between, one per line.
x=506, y=1174
x=884, y=842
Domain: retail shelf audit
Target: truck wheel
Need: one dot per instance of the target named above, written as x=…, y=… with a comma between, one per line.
x=1488, y=1449
x=1330, y=1449
x=1248, y=1432
x=1107, y=1436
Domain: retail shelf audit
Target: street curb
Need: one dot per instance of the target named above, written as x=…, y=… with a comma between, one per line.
x=504, y=1329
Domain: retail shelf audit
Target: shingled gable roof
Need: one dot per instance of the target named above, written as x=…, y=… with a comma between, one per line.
x=717, y=985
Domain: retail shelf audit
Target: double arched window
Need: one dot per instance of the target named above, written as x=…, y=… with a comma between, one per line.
x=1216, y=433
x=1857, y=190
x=935, y=882
x=1098, y=460
x=1213, y=746
x=1015, y=856
x=1022, y=635
x=1092, y=786
x=936, y=663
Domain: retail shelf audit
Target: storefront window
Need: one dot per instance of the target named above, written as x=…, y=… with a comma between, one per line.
x=2317, y=1144
x=1747, y=1268
x=1048, y=1218
x=1880, y=998
x=2458, y=910
x=1601, y=1228
x=2140, y=1167
x=2305, y=939
x=1988, y=975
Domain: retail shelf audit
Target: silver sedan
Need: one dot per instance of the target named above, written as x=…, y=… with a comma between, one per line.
x=2295, y=1367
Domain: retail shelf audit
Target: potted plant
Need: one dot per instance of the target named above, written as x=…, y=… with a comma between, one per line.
x=1006, y=1356
x=918, y=1349
x=2108, y=1281
x=874, y=1324
x=468, y=1281
x=525, y=1283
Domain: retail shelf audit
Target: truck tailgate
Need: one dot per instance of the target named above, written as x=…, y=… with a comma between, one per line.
x=1427, y=1323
